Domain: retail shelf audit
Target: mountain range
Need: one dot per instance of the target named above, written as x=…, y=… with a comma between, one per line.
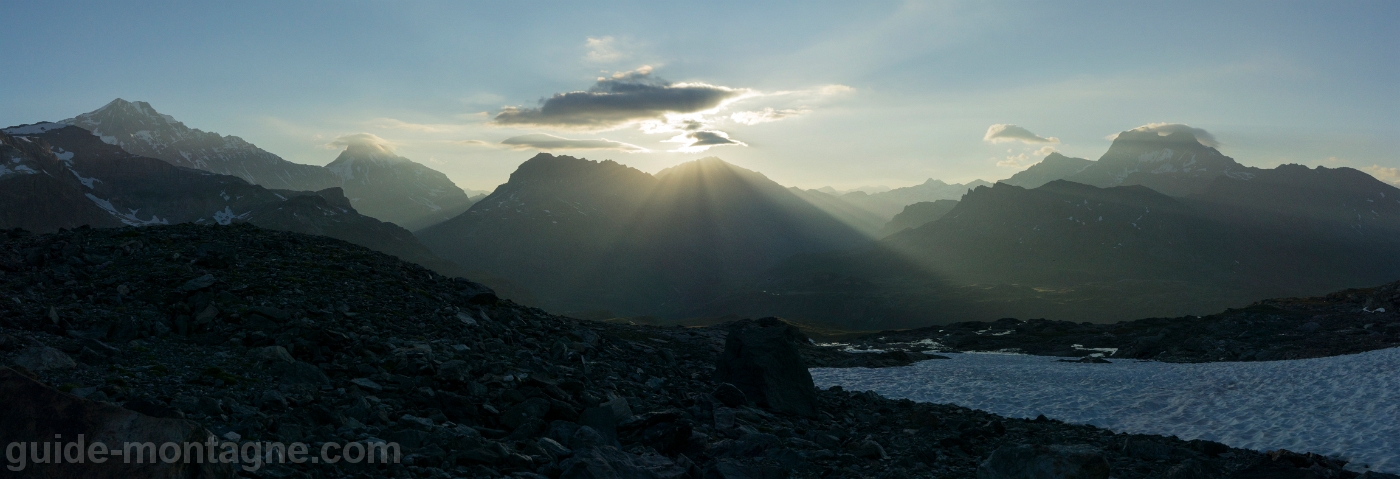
x=61, y=176
x=1072, y=250
x=1160, y=225
x=382, y=185
x=889, y=203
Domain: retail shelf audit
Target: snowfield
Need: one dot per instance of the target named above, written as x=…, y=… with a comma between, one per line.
x=1343, y=406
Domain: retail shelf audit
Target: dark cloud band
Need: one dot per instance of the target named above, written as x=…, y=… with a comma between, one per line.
x=621, y=99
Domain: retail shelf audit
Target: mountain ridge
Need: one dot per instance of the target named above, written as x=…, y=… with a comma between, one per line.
x=402, y=192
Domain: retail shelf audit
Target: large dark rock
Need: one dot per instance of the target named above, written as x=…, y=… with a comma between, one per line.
x=607, y=462
x=1044, y=462
x=35, y=412
x=761, y=359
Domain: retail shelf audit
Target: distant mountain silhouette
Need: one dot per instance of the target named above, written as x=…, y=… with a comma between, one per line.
x=1068, y=250
x=395, y=189
x=379, y=184
x=585, y=236
x=1176, y=164
x=916, y=215
x=1054, y=167
x=60, y=176
x=889, y=203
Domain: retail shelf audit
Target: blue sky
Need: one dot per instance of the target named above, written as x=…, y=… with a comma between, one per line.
x=868, y=93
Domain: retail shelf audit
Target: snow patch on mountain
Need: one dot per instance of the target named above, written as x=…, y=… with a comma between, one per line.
x=128, y=218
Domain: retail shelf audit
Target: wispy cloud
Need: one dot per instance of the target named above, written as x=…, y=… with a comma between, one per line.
x=765, y=115
x=603, y=50
x=363, y=140
x=1001, y=133
x=1386, y=174
x=1025, y=159
x=396, y=124
x=541, y=141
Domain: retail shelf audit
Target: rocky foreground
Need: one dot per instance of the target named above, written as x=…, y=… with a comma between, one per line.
x=255, y=335
x=1344, y=322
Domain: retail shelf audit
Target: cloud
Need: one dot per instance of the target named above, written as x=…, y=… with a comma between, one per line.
x=1386, y=174
x=396, y=124
x=1000, y=133
x=603, y=50
x=1164, y=129
x=703, y=140
x=362, y=140
x=622, y=99
x=1025, y=159
x=541, y=141
x=765, y=115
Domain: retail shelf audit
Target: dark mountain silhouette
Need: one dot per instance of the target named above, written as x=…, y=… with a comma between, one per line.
x=60, y=176
x=379, y=184
x=584, y=235
x=916, y=215
x=1073, y=251
x=1054, y=167
x=889, y=203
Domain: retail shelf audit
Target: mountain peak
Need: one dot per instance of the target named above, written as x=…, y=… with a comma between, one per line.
x=708, y=165
x=1160, y=139
x=121, y=111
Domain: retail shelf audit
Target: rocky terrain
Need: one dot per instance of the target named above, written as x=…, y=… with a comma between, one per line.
x=1344, y=322
x=262, y=335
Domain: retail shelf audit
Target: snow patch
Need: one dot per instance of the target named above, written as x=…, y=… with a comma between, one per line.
x=1347, y=406
x=85, y=181
x=227, y=216
x=126, y=218
x=1156, y=156
x=34, y=129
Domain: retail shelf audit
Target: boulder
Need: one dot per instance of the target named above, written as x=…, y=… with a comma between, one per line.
x=298, y=374
x=270, y=353
x=43, y=358
x=730, y=395
x=761, y=359
x=608, y=462
x=475, y=293
x=1044, y=462
x=34, y=411
x=199, y=283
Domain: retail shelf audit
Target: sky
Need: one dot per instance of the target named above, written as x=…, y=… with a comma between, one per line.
x=811, y=94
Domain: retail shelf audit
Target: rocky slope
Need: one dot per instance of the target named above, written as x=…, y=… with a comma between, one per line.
x=139, y=129
x=263, y=335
